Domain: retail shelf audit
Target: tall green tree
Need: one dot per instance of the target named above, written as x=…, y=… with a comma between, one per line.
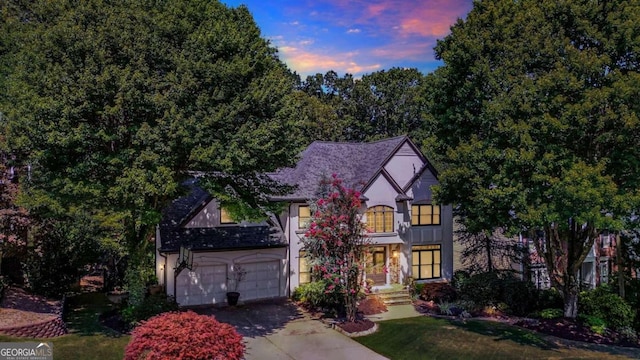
x=534, y=114
x=388, y=103
x=325, y=108
x=382, y=104
x=112, y=103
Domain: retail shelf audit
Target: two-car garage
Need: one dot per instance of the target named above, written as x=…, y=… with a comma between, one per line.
x=208, y=282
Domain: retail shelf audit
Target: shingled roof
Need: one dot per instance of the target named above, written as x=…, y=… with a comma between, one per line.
x=173, y=234
x=354, y=163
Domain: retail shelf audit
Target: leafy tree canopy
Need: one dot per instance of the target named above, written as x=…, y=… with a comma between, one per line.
x=112, y=103
x=382, y=104
x=535, y=116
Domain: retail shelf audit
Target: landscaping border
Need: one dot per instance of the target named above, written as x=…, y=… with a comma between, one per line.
x=53, y=327
x=357, y=334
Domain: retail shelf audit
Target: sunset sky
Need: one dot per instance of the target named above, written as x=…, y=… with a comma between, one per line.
x=358, y=36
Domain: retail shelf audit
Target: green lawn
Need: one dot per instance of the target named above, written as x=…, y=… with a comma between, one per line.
x=428, y=338
x=87, y=339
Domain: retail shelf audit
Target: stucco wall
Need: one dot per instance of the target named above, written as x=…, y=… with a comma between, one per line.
x=404, y=164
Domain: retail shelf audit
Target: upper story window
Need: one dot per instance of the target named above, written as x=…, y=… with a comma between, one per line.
x=380, y=219
x=225, y=218
x=427, y=214
x=304, y=216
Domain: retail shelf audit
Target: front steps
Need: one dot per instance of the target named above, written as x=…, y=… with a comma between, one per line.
x=394, y=297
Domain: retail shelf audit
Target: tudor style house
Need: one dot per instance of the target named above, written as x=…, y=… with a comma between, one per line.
x=411, y=235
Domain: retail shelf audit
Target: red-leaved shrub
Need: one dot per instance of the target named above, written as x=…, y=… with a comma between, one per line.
x=438, y=292
x=184, y=335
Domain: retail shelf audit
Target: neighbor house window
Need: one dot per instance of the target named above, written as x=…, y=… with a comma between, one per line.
x=604, y=271
x=225, y=218
x=427, y=214
x=605, y=240
x=304, y=270
x=304, y=216
x=426, y=262
x=380, y=219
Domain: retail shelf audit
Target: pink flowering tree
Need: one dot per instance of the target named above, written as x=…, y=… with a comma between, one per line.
x=336, y=243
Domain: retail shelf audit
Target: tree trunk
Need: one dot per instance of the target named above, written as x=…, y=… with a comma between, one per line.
x=571, y=302
x=487, y=242
x=351, y=298
x=620, y=264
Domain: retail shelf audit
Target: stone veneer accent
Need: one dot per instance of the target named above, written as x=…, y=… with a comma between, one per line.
x=44, y=329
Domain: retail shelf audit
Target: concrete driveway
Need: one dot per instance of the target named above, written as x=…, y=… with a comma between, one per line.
x=279, y=330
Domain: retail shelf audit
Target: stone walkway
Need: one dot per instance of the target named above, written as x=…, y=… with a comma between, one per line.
x=395, y=312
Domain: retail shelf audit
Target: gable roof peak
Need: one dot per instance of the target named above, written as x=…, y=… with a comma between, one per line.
x=356, y=163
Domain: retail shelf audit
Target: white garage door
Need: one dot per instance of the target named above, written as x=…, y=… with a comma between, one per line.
x=203, y=285
x=262, y=281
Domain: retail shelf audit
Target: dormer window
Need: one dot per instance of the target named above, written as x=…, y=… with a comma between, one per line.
x=427, y=214
x=380, y=219
x=225, y=218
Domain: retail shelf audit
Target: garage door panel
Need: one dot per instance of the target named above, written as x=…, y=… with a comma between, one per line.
x=262, y=280
x=203, y=285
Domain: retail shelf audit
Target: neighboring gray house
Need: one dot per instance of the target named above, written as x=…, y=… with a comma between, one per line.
x=411, y=235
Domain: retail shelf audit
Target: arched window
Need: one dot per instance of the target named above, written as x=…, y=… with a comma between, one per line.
x=380, y=219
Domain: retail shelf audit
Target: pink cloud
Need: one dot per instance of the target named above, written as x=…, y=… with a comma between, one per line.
x=309, y=62
x=360, y=36
x=402, y=51
x=429, y=18
x=438, y=25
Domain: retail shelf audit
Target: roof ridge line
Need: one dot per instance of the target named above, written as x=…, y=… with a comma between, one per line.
x=355, y=142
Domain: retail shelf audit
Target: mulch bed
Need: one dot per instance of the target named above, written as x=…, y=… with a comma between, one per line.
x=92, y=283
x=561, y=328
x=371, y=305
x=356, y=326
x=426, y=307
x=573, y=330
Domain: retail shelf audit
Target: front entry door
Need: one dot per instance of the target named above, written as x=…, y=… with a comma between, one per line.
x=376, y=266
